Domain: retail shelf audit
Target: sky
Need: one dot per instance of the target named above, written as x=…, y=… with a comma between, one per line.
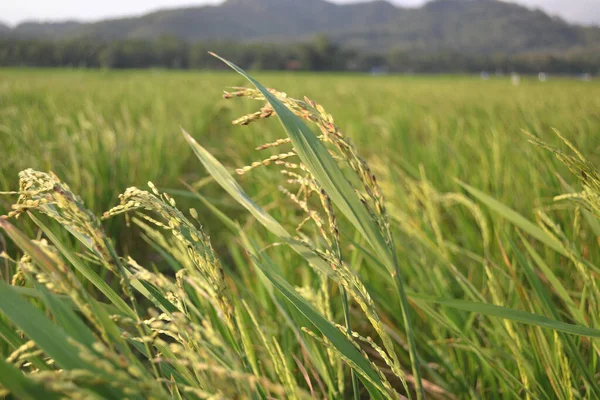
x=15, y=11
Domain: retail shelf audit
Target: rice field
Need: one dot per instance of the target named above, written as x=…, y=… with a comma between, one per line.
x=425, y=237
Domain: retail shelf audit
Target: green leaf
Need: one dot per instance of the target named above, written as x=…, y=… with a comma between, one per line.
x=86, y=271
x=511, y=314
x=65, y=300
x=137, y=285
x=368, y=376
x=45, y=262
x=546, y=302
x=158, y=299
x=66, y=318
x=49, y=337
x=223, y=178
x=553, y=279
x=515, y=218
x=53, y=340
x=9, y=336
x=21, y=386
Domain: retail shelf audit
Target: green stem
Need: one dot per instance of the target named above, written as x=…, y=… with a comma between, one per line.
x=355, y=388
x=412, y=348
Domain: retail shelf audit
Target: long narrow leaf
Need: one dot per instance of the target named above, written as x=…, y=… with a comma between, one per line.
x=49, y=337
x=515, y=218
x=369, y=377
x=43, y=260
x=511, y=314
x=21, y=386
x=224, y=178
x=86, y=271
x=67, y=318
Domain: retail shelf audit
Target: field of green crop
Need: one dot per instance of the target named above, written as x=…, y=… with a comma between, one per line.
x=426, y=254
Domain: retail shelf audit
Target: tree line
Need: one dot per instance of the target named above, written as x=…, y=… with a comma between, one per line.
x=319, y=54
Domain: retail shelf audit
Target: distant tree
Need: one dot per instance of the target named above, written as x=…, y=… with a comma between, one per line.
x=320, y=54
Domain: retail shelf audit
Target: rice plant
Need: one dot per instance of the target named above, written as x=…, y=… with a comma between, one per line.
x=361, y=278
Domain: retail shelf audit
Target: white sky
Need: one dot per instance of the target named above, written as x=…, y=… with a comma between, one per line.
x=15, y=11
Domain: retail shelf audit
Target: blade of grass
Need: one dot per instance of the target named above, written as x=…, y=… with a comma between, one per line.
x=43, y=260
x=369, y=377
x=554, y=281
x=67, y=301
x=10, y=337
x=52, y=339
x=66, y=318
x=142, y=287
x=222, y=176
x=515, y=218
x=511, y=314
x=21, y=386
x=545, y=301
x=86, y=271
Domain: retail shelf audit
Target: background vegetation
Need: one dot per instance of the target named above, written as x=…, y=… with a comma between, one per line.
x=319, y=54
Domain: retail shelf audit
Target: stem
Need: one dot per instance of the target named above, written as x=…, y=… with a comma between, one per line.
x=355, y=388
x=412, y=348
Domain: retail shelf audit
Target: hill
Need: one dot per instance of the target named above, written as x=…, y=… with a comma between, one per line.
x=472, y=26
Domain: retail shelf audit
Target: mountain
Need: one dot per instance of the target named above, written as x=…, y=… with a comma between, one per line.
x=234, y=19
x=475, y=26
x=471, y=26
x=44, y=29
